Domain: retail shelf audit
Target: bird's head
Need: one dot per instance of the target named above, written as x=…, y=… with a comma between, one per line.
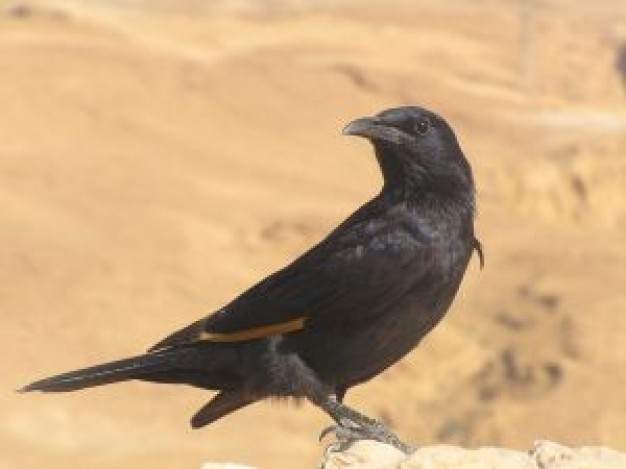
x=415, y=149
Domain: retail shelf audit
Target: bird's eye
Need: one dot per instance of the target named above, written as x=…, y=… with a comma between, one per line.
x=422, y=126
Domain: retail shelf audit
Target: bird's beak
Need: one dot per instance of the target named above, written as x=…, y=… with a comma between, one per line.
x=374, y=129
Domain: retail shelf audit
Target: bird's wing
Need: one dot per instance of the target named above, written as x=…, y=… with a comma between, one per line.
x=345, y=278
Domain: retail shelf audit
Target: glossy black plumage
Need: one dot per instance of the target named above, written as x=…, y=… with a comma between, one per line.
x=345, y=310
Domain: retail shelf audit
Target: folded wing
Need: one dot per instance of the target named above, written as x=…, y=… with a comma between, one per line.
x=351, y=282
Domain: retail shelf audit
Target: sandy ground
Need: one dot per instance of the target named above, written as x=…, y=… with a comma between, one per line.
x=155, y=162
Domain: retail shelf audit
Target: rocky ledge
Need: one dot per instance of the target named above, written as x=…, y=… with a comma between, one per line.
x=544, y=455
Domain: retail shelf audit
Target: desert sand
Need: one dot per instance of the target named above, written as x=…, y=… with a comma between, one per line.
x=155, y=161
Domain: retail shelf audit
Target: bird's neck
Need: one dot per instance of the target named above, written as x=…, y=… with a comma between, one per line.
x=394, y=176
x=420, y=188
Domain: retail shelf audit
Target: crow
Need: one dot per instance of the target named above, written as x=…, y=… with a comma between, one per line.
x=345, y=310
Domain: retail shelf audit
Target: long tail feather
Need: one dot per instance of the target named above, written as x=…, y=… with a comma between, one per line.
x=112, y=372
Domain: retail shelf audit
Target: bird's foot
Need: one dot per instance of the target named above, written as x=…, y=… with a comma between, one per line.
x=348, y=432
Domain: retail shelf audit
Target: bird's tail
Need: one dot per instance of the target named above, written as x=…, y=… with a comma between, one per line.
x=121, y=370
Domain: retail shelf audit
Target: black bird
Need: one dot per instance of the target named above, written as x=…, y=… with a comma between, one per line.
x=345, y=310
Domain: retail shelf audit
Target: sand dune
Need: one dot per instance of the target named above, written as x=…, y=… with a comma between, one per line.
x=156, y=161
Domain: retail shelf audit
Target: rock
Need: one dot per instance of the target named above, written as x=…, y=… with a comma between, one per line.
x=450, y=457
x=544, y=455
x=365, y=454
x=549, y=455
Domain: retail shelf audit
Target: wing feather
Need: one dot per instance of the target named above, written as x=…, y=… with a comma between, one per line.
x=351, y=277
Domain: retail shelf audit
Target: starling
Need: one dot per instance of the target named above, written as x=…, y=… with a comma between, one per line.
x=345, y=310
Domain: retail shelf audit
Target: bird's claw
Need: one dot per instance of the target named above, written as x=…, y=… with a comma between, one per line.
x=348, y=432
x=337, y=429
x=345, y=436
x=326, y=432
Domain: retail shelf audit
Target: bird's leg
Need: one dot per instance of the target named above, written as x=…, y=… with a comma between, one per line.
x=352, y=426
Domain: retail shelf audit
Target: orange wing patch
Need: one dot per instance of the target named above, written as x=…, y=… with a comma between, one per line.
x=254, y=333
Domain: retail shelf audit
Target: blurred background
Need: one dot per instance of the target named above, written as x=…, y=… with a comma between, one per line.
x=158, y=157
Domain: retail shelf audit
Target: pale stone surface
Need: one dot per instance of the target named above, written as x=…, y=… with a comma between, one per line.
x=364, y=454
x=368, y=454
x=451, y=457
x=544, y=455
x=549, y=455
